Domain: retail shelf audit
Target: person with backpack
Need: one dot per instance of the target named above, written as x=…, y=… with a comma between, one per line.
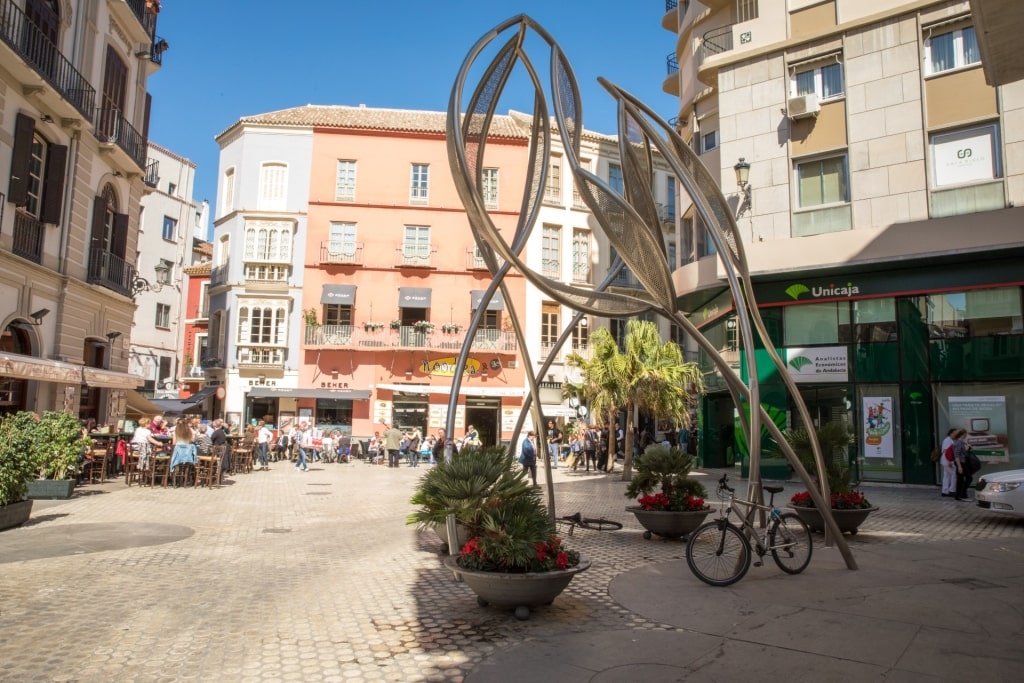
x=948, y=468
x=966, y=464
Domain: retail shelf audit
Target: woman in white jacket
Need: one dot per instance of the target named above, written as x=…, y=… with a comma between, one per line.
x=948, y=465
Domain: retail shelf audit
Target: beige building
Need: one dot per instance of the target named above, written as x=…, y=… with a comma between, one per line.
x=879, y=215
x=73, y=122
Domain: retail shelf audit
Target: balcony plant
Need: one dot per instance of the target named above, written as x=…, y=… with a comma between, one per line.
x=373, y=326
x=511, y=556
x=849, y=507
x=670, y=503
x=451, y=328
x=423, y=326
x=310, y=318
x=396, y=324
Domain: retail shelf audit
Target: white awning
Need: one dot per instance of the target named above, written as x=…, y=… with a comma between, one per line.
x=30, y=367
x=97, y=377
x=446, y=390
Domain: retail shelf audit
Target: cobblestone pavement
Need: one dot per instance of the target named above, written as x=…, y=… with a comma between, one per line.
x=286, y=576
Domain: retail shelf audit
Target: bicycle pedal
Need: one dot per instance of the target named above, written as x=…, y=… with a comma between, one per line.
x=759, y=563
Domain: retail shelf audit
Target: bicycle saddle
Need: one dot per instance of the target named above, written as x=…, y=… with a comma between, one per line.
x=773, y=489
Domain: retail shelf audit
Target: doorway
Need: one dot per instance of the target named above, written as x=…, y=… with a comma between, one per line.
x=485, y=415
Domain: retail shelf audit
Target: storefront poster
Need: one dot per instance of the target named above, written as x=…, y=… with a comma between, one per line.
x=984, y=418
x=877, y=427
x=817, y=364
x=382, y=412
x=438, y=416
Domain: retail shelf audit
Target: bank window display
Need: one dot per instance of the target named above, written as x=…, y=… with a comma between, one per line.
x=873, y=320
x=987, y=412
x=975, y=313
x=810, y=324
x=879, y=440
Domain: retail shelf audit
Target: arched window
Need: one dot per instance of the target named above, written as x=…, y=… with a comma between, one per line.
x=14, y=339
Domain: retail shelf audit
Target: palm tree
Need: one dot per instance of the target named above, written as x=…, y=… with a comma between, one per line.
x=648, y=375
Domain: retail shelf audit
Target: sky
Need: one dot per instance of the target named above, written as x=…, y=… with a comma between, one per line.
x=233, y=58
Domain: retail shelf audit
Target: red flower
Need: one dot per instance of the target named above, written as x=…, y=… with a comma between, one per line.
x=562, y=560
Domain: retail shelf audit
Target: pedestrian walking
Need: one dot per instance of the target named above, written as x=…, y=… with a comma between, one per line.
x=302, y=440
x=947, y=466
x=963, y=467
x=528, y=455
x=264, y=435
x=554, y=436
x=392, y=444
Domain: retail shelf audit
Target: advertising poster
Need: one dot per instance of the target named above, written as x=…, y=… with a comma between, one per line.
x=877, y=427
x=984, y=418
x=817, y=364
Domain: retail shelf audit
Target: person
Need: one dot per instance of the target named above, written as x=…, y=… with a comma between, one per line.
x=302, y=441
x=963, y=470
x=948, y=467
x=472, y=437
x=590, y=441
x=620, y=443
x=437, y=454
x=263, y=438
x=219, y=437
x=528, y=455
x=392, y=443
x=158, y=425
x=328, y=447
x=184, y=452
x=554, y=443
x=202, y=440
x=575, y=450
x=143, y=442
x=376, y=448
x=603, y=449
x=427, y=449
x=412, y=449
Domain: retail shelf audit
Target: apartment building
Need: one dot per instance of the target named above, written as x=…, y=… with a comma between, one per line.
x=877, y=180
x=73, y=119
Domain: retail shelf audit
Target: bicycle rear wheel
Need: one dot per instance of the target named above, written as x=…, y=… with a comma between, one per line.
x=791, y=543
x=601, y=524
x=718, y=553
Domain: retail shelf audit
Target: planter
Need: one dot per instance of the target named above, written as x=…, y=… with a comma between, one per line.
x=442, y=532
x=846, y=520
x=667, y=523
x=49, y=489
x=15, y=514
x=519, y=591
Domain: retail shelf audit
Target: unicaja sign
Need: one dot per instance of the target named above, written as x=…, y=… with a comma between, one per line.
x=818, y=292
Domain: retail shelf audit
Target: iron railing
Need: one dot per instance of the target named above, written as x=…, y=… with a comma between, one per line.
x=207, y=363
x=218, y=275
x=406, y=336
x=474, y=261
x=111, y=271
x=671, y=5
x=152, y=176
x=408, y=257
x=346, y=253
x=37, y=50
x=140, y=8
x=672, y=63
x=113, y=127
x=28, y=237
x=713, y=42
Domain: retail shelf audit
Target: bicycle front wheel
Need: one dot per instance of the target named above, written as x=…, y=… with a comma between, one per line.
x=600, y=524
x=791, y=544
x=718, y=553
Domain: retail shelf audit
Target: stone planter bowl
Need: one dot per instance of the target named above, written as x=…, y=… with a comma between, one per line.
x=847, y=520
x=520, y=591
x=667, y=523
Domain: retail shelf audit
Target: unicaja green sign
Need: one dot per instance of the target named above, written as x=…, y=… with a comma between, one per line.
x=796, y=290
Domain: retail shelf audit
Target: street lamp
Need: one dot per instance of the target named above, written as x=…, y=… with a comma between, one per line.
x=742, y=169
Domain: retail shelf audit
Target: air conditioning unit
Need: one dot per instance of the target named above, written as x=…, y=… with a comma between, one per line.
x=803, y=106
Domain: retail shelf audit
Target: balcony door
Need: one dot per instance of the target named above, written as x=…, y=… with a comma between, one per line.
x=115, y=86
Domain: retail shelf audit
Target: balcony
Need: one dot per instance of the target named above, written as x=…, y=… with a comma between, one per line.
x=152, y=176
x=218, y=275
x=112, y=129
x=406, y=336
x=260, y=357
x=415, y=257
x=111, y=271
x=714, y=42
x=671, y=63
x=45, y=59
x=267, y=273
x=28, y=237
x=474, y=261
x=581, y=273
x=626, y=279
x=208, y=363
x=341, y=253
x=136, y=16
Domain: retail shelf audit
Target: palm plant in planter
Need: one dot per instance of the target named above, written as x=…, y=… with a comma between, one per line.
x=672, y=503
x=17, y=467
x=849, y=506
x=511, y=556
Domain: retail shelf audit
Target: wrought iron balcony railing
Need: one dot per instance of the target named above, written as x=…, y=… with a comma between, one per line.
x=672, y=63
x=344, y=253
x=25, y=38
x=474, y=261
x=406, y=336
x=28, y=237
x=141, y=10
x=152, y=176
x=715, y=41
x=111, y=271
x=112, y=127
x=207, y=363
x=408, y=257
x=218, y=275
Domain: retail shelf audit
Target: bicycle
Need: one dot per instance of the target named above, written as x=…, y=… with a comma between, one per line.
x=592, y=523
x=718, y=552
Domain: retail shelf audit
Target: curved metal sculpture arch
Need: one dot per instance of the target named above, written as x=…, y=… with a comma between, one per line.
x=629, y=221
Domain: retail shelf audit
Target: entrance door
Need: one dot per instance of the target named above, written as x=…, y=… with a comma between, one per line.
x=411, y=410
x=485, y=415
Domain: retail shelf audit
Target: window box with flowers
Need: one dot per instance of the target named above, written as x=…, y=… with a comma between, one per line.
x=451, y=328
x=678, y=506
x=423, y=326
x=396, y=324
x=373, y=326
x=512, y=558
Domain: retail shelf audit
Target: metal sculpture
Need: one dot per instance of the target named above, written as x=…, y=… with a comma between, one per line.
x=630, y=221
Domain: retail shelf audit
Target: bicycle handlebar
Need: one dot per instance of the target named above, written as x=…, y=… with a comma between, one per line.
x=723, y=483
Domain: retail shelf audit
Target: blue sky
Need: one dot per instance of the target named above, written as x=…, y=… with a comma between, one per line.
x=234, y=58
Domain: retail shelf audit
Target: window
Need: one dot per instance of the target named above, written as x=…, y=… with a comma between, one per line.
x=670, y=199
x=965, y=156
x=874, y=320
x=825, y=323
x=581, y=335
x=615, y=178
x=548, y=326
x=708, y=141
x=170, y=229
x=342, y=240
x=273, y=186
x=163, y=315
x=951, y=50
x=822, y=181
x=577, y=200
x=580, y=255
x=824, y=81
x=420, y=184
x=416, y=245
x=551, y=244
x=975, y=313
x=553, y=186
x=490, y=188
x=269, y=241
x=262, y=323
x=37, y=175
x=229, y=192
x=171, y=188
x=337, y=314
x=345, y=183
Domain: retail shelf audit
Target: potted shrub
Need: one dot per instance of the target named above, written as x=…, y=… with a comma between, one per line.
x=396, y=324
x=59, y=447
x=423, y=326
x=373, y=326
x=18, y=467
x=451, y=328
x=512, y=556
x=670, y=504
x=849, y=507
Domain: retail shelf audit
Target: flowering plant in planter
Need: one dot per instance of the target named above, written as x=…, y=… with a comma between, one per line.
x=834, y=438
x=666, y=470
x=686, y=503
x=373, y=326
x=423, y=326
x=852, y=500
x=396, y=324
x=547, y=556
x=451, y=328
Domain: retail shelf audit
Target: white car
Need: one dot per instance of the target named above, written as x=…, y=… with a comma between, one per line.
x=1002, y=492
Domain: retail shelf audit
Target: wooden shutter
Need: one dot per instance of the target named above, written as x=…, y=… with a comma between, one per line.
x=53, y=184
x=99, y=224
x=119, y=240
x=21, y=160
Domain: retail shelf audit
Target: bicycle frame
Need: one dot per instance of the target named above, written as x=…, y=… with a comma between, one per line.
x=760, y=537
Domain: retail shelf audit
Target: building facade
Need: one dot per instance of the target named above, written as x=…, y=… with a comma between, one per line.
x=74, y=118
x=880, y=219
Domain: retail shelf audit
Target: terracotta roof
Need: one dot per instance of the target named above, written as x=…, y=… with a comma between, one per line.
x=405, y=120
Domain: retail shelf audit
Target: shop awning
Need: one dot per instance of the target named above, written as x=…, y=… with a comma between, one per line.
x=497, y=303
x=447, y=390
x=138, y=406
x=30, y=367
x=96, y=377
x=176, y=407
x=338, y=294
x=344, y=394
x=414, y=297
x=200, y=396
